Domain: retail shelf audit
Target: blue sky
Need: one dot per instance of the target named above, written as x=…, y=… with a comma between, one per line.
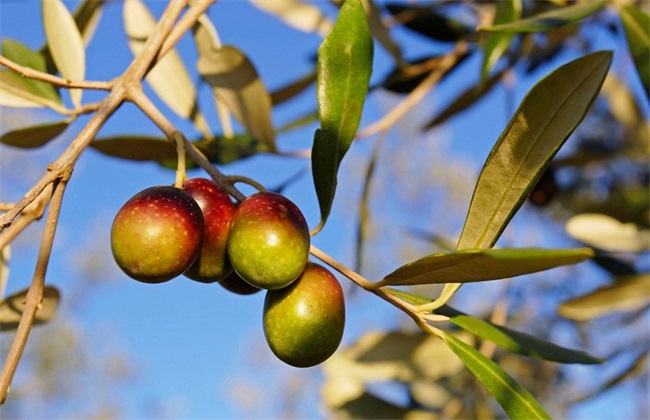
x=196, y=349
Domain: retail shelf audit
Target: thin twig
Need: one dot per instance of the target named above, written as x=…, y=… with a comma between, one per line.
x=30, y=73
x=35, y=292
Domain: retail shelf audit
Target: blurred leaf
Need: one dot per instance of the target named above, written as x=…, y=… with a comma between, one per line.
x=364, y=209
x=12, y=308
x=298, y=14
x=381, y=33
x=515, y=400
x=138, y=148
x=21, y=54
x=551, y=19
x=34, y=136
x=627, y=294
x=343, y=75
x=636, y=24
x=368, y=406
x=548, y=114
x=505, y=337
x=472, y=265
x=86, y=16
x=465, y=99
x=497, y=44
x=158, y=149
x=292, y=89
x=424, y=20
x=235, y=82
x=15, y=93
x=169, y=78
x=606, y=233
x=65, y=44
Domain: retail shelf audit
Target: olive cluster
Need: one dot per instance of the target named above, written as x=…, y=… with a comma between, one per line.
x=262, y=243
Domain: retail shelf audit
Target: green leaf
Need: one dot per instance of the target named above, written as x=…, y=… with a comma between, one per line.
x=515, y=341
x=548, y=114
x=65, y=44
x=343, y=76
x=515, y=400
x=636, y=24
x=13, y=306
x=235, y=82
x=15, y=93
x=549, y=20
x=34, y=136
x=472, y=265
x=169, y=78
x=628, y=294
x=497, y=43
x=21, y=54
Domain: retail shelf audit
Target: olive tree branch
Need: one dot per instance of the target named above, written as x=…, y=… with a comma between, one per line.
x=35, y=293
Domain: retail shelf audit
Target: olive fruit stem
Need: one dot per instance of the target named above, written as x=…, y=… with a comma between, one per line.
x=181, y=175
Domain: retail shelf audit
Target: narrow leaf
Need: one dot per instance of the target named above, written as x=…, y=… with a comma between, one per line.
x=15, y=93
x=497, y=43
x=136, y=148
x=472, y=265
x=548, y=114
x=625, y=295
x=606, y=233
x=21, y=54
x=636, y=24
x=515, y=400
x=13, y=306
x=34, y=136
x=65, y=44
x=465, y=99
x=515, y=341
x=343, y=75
x=169, y=78
x=235, y=82
x=298, y=14
x=549, y=20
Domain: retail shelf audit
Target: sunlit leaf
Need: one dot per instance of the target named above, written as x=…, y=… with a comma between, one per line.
x=343, y=76
x=169, y=78
x=426, y=21
x=546, y=117
x=34, y=136
x=472, y=265
x=15, y=93
x=65, y=43
x=235, y=82
x=497, y=44
x=627, y=294
x=515, y=400
x=636, y=24
x=13, y=306
x=505, y=337
x=298, y=14
x=606, y=233
x=21, y=54
x=551, y=19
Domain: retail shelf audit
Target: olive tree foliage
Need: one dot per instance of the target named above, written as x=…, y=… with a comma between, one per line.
x=503, y=42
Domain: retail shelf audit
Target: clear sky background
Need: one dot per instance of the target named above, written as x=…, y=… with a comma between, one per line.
x=194, y=350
